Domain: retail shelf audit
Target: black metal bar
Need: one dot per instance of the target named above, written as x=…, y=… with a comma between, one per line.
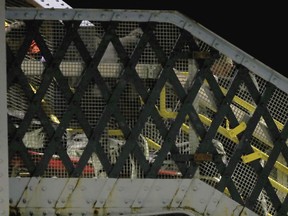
x=279, y=143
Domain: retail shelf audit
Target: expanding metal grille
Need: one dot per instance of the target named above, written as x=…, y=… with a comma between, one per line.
x=123, y=99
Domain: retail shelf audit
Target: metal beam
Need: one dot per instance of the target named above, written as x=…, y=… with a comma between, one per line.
x=172, y=17
x=4, y=178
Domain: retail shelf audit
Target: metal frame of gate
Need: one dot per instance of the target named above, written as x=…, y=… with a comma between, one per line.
x=4, y=178
x=253, y=131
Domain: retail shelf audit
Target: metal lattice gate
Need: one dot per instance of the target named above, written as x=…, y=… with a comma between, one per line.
x=139, y=112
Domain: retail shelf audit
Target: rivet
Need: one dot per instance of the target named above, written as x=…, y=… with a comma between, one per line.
x=183, y=188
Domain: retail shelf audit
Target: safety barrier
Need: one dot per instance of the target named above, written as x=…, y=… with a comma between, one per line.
x=114, y=112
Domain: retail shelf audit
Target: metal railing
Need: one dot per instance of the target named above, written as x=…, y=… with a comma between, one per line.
x=148, y=109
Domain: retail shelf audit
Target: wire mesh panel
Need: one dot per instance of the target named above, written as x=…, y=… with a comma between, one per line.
x=143, y=99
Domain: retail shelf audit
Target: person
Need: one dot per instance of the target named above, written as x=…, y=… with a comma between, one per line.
x=205, y=100
x=128, y=41
x=15, y=34
x=222, y=67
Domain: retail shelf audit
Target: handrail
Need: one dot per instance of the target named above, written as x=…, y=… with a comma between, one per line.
x=226, y=133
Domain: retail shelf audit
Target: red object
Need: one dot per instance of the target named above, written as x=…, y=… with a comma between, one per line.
x=56, y=164
x=33, y=49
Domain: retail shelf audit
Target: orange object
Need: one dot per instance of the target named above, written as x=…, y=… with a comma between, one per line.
x=34, y=49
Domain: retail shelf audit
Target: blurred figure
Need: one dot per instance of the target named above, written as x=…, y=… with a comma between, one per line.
x=128, y=41
x=222, y=67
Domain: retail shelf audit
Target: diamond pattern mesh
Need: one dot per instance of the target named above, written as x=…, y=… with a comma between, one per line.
x=142, y=100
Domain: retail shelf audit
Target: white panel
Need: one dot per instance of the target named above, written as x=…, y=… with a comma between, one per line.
x=227, y=206
x=38, y=211
x=19, y=185
x=86, y=193
x=67, y=192
x=117, y=196
x=49, y=4
x=125, y=192
x=29, y=192
x=142, y=193
x=44, y=193
x=197, y=196
x=179, y=196
x=105, y=192
x=162, y=193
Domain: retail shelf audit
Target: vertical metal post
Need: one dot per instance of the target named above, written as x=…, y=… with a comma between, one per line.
x=4, y=178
